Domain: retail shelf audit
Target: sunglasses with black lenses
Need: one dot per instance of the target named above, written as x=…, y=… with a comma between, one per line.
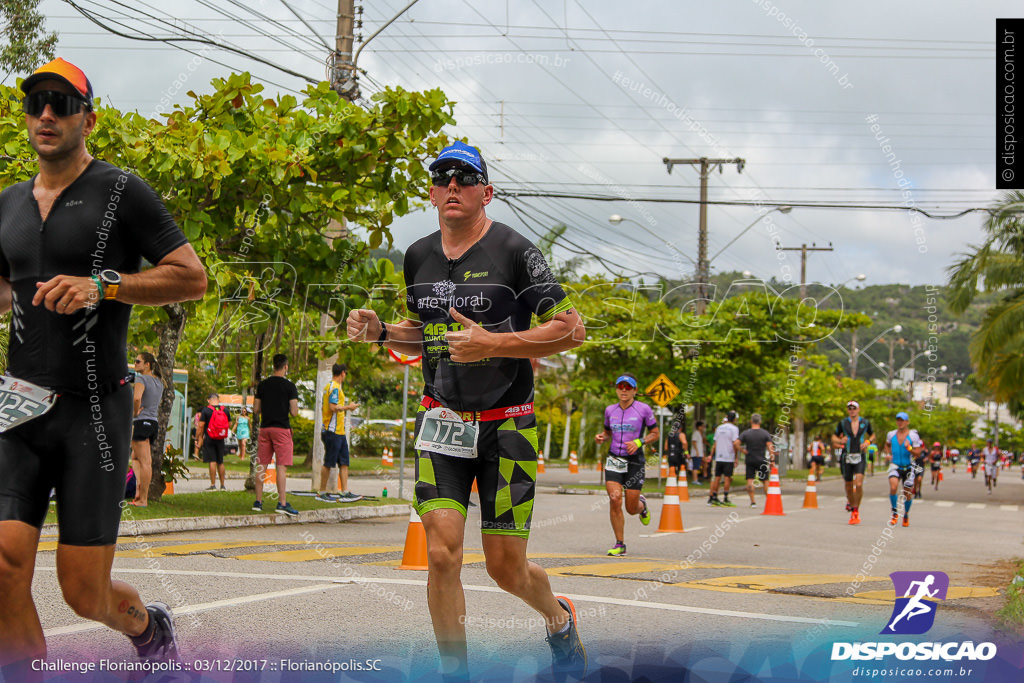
x=462, y=177
x=62, y=103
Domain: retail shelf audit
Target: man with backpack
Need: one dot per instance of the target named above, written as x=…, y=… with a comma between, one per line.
x=210, y=437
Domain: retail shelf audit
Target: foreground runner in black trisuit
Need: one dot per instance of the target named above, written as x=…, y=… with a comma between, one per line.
x=71, y=243
x=474, y=286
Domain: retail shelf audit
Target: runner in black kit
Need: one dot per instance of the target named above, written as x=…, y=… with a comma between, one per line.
x=71, y=243
x=474, y=286
x=852, y=435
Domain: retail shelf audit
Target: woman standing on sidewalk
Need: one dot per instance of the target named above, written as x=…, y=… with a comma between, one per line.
x=148, y=390
x=242, y=430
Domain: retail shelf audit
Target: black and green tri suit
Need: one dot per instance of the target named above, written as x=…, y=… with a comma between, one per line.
x=501, y=282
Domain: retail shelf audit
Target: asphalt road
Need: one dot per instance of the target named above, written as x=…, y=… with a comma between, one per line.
x=735, y=588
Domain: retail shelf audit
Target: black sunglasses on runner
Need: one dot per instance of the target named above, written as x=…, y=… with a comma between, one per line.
x=462, y=177
x=62, y=103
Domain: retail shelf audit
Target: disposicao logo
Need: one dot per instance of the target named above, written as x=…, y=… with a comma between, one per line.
x=914, y=613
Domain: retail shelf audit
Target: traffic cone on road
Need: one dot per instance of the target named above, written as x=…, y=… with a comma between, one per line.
x=414, y=556
x=384, y=457
x=391, y=458
x=664, y=467
x=574, y=465
x=671, y=516
x=540, y=462
x=811, y=494
x=773, y=502
x=682, y=486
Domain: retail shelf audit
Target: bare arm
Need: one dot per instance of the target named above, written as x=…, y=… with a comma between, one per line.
x=293, y=407
x=139, y=388
x=5, y=295
x=178, y=277
x=472, y=343
x=405, y=337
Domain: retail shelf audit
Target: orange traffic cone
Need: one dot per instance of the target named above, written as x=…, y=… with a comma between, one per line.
x=811, y=493
x=414, y=556
x=169, y=488
x=682, y=486
x=391, y=457
x=384, y=457
x=270, y=477
x=940, y=475
x=574, y=465
x=600, y=465
x=773, y=502
x=671, y=515
x=540, y=462
x=664, y=467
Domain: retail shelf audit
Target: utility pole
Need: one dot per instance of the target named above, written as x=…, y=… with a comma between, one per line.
x=803, y=249
x=853, y=354
x=340, y=64
x=706, y=167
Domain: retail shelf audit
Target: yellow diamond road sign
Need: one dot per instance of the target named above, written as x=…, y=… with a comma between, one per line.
x=662, y=391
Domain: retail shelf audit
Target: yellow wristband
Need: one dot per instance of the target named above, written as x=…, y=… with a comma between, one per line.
x=639, y=443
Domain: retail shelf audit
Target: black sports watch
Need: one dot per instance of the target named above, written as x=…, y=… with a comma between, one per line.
x=111, y=280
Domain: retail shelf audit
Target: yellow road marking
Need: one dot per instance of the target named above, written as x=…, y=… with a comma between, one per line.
x=954, y=593
x=307, y=554
x=759, y=583
x=612, y=568
x=188, y=548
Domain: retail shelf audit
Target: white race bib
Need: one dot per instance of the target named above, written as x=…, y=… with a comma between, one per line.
x=616, y=464
x=443, y=431
x=853, y=458
x=21, y=401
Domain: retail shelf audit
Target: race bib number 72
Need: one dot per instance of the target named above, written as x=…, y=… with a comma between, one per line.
x=443, y=431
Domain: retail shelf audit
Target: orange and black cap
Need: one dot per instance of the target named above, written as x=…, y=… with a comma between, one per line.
x=61, y=70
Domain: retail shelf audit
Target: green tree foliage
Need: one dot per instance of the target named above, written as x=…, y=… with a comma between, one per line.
x=997, y=265
x=26, y=44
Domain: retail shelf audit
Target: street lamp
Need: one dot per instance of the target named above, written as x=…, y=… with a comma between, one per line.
x=780, y=209
x=615, y=219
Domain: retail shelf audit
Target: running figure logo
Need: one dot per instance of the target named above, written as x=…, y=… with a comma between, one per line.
x=914, y=613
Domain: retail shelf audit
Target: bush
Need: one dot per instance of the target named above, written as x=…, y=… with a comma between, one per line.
x=369, y=440
x=302, y=436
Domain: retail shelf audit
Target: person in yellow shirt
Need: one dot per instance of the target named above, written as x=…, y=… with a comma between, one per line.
x=332, y=434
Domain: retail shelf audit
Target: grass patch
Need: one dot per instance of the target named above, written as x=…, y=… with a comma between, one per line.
x=801, y=475
x=1012, y=613
x=232, y=463
x=209, y=503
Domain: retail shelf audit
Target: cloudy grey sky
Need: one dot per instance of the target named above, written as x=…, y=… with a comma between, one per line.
x=877, y=103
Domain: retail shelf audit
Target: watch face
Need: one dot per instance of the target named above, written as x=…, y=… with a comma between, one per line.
x=111, y=277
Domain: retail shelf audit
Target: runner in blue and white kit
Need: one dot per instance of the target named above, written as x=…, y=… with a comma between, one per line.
x=624, y=426
x=904, y=444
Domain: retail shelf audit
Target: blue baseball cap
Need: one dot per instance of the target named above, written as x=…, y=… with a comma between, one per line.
x=460, y=154
x=902, y=416
x=628, y=380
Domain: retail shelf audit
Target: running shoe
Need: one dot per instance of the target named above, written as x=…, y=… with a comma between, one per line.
x=257, y=505
x=645, y=514
x=349, y=497
x=713, y=501
x=618, y=549
x=895, y=518
x=568, y=656
x=223, y=487
x=753, y=505
x=163, y=646
x=728, y=503
x=906, y=520
x=287, y=509
x=854, y=518
x=849, y=508
x=325, y=498
x=211, y=488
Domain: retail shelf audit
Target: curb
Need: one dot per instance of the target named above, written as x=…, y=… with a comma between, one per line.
x=601, y=492
x=145, y=527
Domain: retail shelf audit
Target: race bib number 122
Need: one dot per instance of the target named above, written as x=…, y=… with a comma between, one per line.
x=443, y=431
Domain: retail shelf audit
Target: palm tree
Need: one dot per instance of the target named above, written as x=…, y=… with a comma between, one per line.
x=997, y=265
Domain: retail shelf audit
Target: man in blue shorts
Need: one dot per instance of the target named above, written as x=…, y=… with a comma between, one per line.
x=72, y=240
x=472, y=289
x=903, y=444
x=624, y=426
x=332, y=434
